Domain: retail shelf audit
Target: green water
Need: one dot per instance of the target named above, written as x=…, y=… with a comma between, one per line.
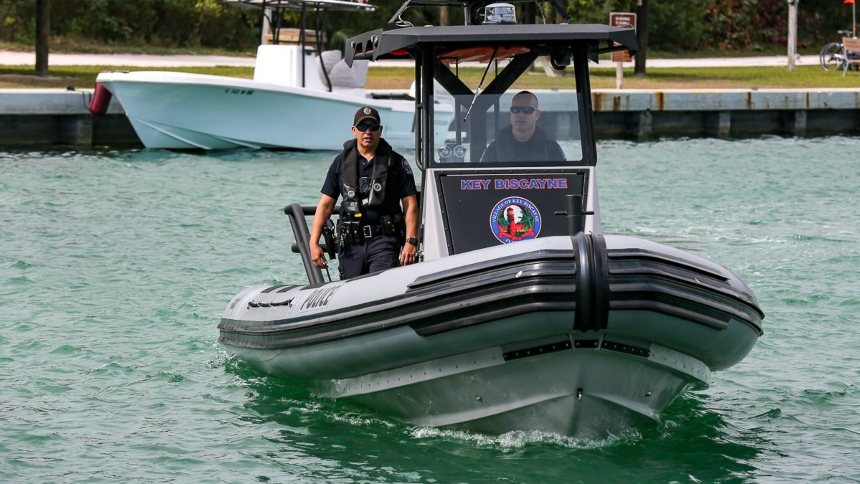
x=115, y=267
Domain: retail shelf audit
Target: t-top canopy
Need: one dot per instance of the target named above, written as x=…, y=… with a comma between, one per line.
x=598, y=38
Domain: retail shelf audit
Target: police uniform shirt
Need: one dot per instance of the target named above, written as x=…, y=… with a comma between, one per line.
x=400, y=184
x=537, y=148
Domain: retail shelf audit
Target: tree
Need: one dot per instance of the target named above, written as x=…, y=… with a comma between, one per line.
x=444, y=15
x=642, y=34
x=43, y=29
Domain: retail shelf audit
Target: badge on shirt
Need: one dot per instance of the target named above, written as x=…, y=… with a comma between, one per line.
x=407, y=167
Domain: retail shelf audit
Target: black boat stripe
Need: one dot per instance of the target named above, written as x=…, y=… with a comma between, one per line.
x=664, y=259
x=550, y=284
x=626, y=348
x=538, y=271
x=537, y=350
x=270, y=289
x=463, y=271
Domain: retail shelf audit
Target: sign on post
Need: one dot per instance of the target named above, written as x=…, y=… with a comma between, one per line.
x=622, y=19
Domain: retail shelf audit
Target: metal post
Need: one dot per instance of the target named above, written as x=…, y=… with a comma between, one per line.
x=266, y=24
x=792, y=33
x=302, y=44
x=575, y=215
x=639, y=61
x=300, y=231
x=43, y=34
x=586, y=110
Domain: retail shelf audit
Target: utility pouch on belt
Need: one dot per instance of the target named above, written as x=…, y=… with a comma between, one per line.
x=394, y=225
x=331, y=243
x=349, y=232
x=354, y=231
x=388, y=227
x=341, y=236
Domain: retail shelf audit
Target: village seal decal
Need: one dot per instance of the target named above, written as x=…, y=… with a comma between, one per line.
x=514, y=219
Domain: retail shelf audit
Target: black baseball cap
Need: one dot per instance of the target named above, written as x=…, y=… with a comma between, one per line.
x=366, y=112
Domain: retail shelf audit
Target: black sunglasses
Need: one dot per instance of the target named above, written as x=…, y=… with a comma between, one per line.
x=364, y=127
x=524, y=109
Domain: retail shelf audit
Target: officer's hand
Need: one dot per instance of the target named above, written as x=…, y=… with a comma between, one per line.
x=409, y=254
x=318, y=256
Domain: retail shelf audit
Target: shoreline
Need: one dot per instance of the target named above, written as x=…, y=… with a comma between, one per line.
x=59, y=118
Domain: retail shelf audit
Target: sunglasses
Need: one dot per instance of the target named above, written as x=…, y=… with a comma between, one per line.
x=364, y=127
x=522, y=109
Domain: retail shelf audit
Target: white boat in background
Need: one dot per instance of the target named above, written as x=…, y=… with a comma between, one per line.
x=294, y=101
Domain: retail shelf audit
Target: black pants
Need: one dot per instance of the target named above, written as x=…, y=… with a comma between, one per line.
x=370, y=255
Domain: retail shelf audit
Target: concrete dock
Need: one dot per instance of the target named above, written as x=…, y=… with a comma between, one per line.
x=49, y=117
x=56, y=117
x=728, y=113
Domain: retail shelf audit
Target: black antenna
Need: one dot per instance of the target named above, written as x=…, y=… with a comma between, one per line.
x=396, y=22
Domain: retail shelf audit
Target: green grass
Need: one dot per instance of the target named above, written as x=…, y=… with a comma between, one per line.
x=81, y=46
x=663, y=78
x=83, y=77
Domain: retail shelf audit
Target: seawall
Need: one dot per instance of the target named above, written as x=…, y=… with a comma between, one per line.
x=55, y=117
x=728, y=113
x=59, y=117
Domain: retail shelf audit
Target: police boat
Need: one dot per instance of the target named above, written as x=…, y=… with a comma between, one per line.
x=522, y=314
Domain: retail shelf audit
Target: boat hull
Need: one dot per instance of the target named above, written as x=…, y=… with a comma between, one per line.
x=201, y=112
x=528, y=336
x=577, y=392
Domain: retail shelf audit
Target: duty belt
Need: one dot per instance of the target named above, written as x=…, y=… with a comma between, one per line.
x=369, y=231
x=352, y=231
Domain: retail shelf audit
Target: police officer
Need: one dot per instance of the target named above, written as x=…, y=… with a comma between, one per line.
x=523, y=140
x=378, y=224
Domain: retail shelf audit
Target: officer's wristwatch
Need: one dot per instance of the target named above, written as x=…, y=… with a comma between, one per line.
x=412, y=240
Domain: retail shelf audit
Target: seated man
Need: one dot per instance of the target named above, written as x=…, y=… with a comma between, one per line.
x=524, y=140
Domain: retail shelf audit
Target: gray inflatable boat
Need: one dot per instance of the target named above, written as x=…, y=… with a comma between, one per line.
x=522, y=314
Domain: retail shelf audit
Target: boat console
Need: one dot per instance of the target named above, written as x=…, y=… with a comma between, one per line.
x=471, y=200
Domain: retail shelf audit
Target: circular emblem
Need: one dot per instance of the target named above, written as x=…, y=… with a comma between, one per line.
x=377, y=187
x=514, y=219
x=366, y=110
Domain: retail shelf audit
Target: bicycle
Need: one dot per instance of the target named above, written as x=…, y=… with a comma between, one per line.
x=833, y=57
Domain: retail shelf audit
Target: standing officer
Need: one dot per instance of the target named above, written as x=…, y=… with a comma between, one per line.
x=379, y=211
